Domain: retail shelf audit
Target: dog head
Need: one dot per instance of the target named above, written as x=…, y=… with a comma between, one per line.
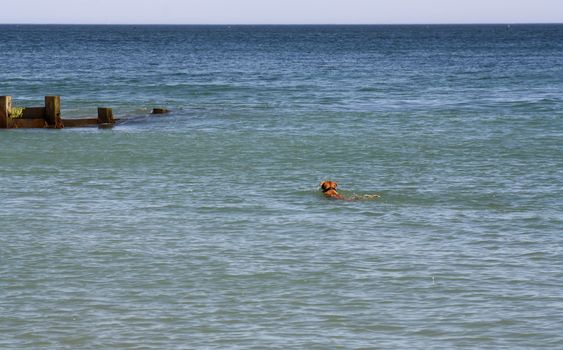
x=328, y=186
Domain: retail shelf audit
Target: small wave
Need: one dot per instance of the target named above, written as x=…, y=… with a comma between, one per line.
x=369, y=89
x=542, y=102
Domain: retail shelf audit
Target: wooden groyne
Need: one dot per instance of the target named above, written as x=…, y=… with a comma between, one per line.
x=49, y=116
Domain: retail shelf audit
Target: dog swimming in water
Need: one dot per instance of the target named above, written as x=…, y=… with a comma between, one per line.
x=329, y=190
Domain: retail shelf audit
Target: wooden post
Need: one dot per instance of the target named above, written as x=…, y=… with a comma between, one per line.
x=105, y=116
x=5, y=110
x=53, y=111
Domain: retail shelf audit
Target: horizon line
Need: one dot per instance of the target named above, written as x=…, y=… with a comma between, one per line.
x=290, y=24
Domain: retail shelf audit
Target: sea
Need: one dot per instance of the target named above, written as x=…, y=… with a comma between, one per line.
x=204, y=228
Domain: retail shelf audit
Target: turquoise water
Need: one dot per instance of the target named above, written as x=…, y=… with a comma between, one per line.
x=204, y=228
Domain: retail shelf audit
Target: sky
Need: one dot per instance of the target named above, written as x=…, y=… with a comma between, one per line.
x=280, y=11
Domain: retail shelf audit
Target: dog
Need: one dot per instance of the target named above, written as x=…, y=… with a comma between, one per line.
x=329, y=190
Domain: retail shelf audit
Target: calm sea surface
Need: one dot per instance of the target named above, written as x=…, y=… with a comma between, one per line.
x=204, y=228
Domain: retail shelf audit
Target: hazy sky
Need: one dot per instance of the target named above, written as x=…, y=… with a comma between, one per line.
x=280, y=11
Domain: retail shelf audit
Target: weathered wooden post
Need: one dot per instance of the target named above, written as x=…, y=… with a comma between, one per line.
x=53, y=111
x=105, y=116
x=5, y=110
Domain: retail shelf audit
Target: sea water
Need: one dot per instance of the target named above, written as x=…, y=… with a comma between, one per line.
x=204, y=228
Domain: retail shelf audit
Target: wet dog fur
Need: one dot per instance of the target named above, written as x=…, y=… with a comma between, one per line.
x=329, y=190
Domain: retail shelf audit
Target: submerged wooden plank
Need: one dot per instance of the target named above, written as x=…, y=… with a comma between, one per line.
x=159, y=111
x=76, y=123
x=28, y=123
